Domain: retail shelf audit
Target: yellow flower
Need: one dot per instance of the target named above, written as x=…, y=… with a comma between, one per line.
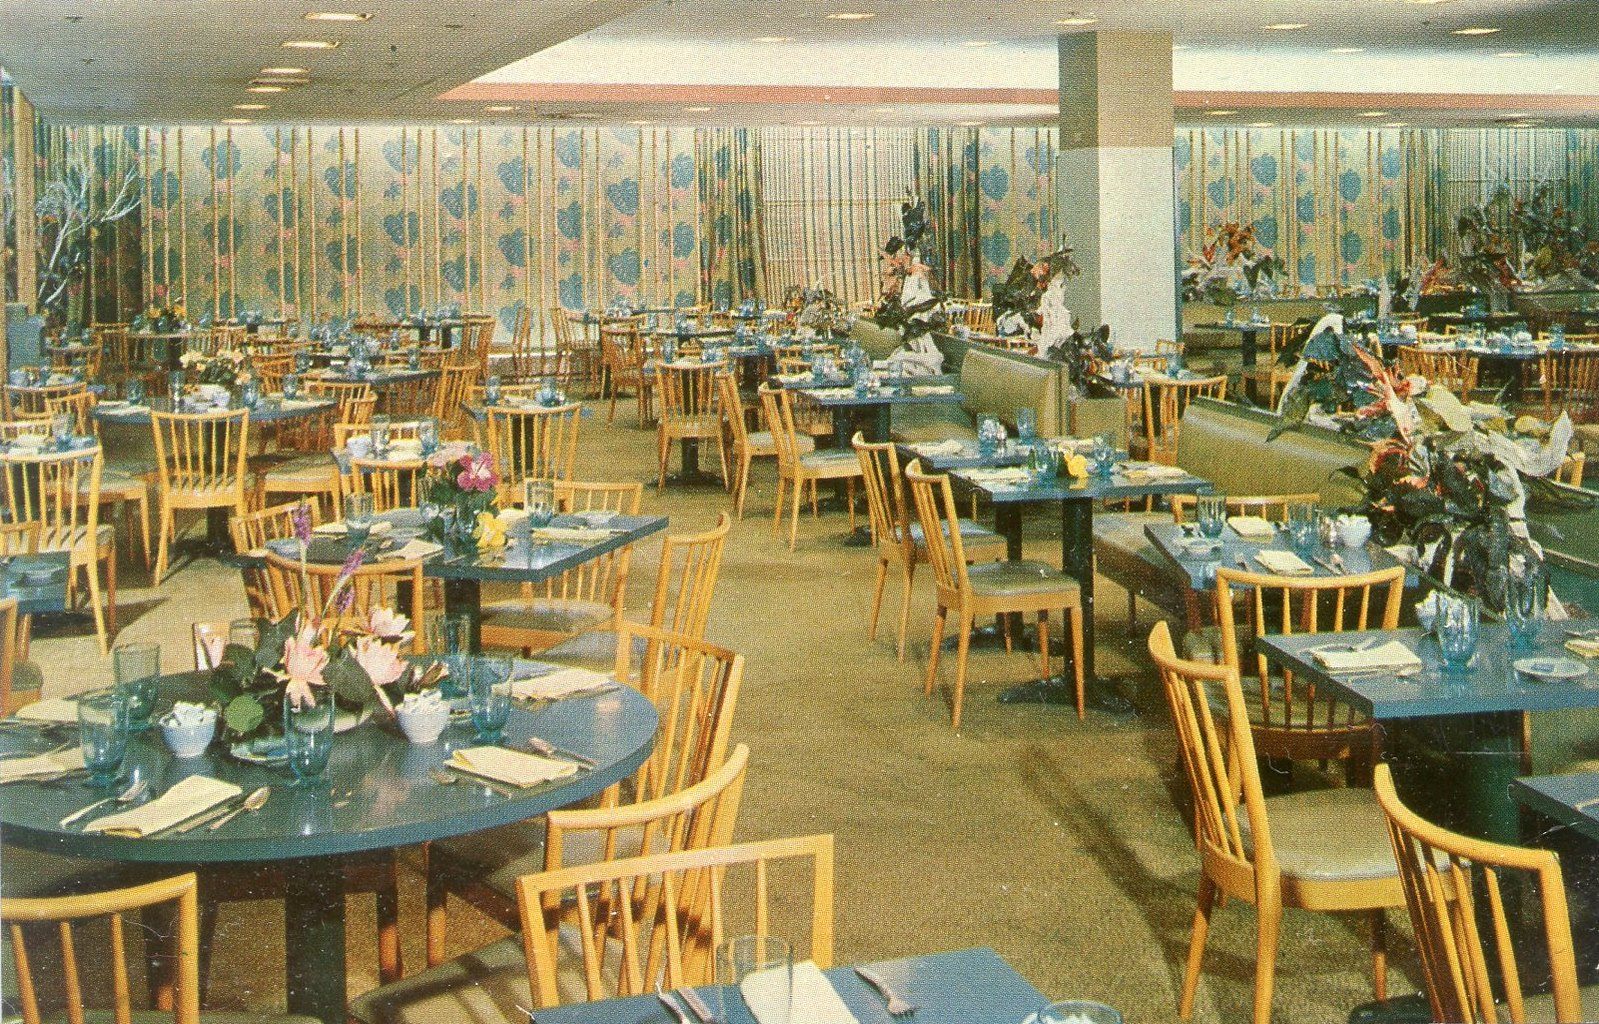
x=490, y=531
x=180, y=311
x=1077, y=467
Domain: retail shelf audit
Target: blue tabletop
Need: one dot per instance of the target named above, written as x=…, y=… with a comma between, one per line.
x=1118, y=485
x=1170, y=539
x=38, y=582
x=270, y=410
x=379, y=792
x=379, y=377
x=1490, y=685
x=1571, y=799
x=880, y=396
x=972, y=986
x=941, y=457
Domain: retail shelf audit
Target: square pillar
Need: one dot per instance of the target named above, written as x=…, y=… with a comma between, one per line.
x=1116, y=194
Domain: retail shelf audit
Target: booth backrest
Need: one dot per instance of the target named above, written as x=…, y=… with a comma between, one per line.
x=997, y=383
x=1226, y=444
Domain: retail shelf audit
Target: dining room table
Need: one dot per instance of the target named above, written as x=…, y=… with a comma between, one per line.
x=1012, y=489
x=875, y=404
x=968, y=986
x=380, y=792
x=1248, y=332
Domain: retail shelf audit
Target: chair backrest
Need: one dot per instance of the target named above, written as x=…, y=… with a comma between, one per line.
x=412, y=396
x=1292, y=716
x=687, y=393
x=455, y=387
x=885, y=490
x=731, y=404
x=934, y=502
x=66, y=915
x=202, y=452
x=1570, y=384
x=58, y=490
x=1219, y=759
x=1453, y=371
x=374, y=585
x=10, y=648
x=777, y=406
x=250, y=532
x=270, y=368
x=80, y=406
x=1268, y=506
x=393, y=483
x=35, y=401
x=691, y=564
x=601, y=580
x=1164, y=402
x=532, y=444
x=1454, y=886
x=685, y=899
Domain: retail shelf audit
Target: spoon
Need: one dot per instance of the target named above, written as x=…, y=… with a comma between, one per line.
x=252, y=803
x=127, y=796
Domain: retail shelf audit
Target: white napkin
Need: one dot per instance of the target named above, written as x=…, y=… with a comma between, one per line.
x=194, y=795
x=1152, y=471
x=339, y=529
x=51, y=709
x=297, y=403
x=511, y=767
x=414, y=548
x=932, y=389
x=1284, y=563
x=831, y=392
x=564, y=682
x=1252, y=527
x=15, y=769
x=950, y=447
x=571, y=534
x=1003, y=475
x=814, y=1000
x=1392, y=654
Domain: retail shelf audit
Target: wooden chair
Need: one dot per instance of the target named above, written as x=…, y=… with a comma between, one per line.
x=694, y=687
x=27, y=403
x=455, y=387
x=251, y=532
x=531, y=444
x=1164, y=402
x=270, y=369
x=200, y=462
x=896, y=538
x=623, y=353
x=1453, y=371
x=1268, y=506
x=118, y=486
x=1290, y=720
x=797, y=468
x=392, y=483
x=1268, y=373
x=20, y=680
x=61, y=492
x=980, y=317
x=1570, y=384
x=1276, y=853
x=1454, y=885
x=302, y=467
x=589, y=596
x=742, y=445
x=1570, y=471
x=688, y=398
x=993, y=588
x=374, y=584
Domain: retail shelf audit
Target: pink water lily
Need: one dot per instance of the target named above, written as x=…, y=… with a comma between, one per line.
x=303, y=662
x=389, y=625
x=450, y=452
x=381, y=665
x=477, y=474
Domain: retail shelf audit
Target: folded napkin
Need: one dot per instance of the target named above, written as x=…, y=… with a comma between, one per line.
x=812, y=997
x=15, y=769
x=932, y=389
x=950, y=447
x=1392, y=654
x=51, y=709
x=339, y=529
x=571, y=534
x=298, y=403
x=1580, y=646
x=1283, y=563
x=792, y=378
x=1252, y=527
x=1152, y=471
x=194, y=795
x=511, y=767
x=831, y=392
x=564, y=682
x=414, y=548
x=1003, y=476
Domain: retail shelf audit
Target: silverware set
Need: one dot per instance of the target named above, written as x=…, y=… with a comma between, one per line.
x=549, y=749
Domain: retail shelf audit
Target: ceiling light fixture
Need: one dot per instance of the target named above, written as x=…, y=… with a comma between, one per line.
x=285, y=71
x=336, y=16
x=970, y=124
x=267, y=88
x=1287, y=26
x=774, y=39
x=1078, y=21
x=1221, y=113
x=1513, y=53
x=249, y=106
x=501, y=108
x=641, y=123
x=978, y=42
x=1397, y=124
x=310, y=44
x=1262, y=124
x=1374, y=113
x=1178, y=46
x=237, y=120
x=463, y=120
x=807, y=124
x=850, y=16
x=1347, y=49
x=1474, y=31
x=696, y=110
x=280, y=81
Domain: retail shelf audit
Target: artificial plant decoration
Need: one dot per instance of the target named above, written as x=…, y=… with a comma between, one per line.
x=70, y=218
x=1230, y=262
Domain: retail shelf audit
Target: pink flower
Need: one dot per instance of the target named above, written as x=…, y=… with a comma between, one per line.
x=381, y=665
x=389, y=625
x=303, y=662
x=450, y=452
x=213, y=646
x=477, y=474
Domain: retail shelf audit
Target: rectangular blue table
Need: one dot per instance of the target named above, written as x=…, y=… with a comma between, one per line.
x=1566, y=799
x=972, y=986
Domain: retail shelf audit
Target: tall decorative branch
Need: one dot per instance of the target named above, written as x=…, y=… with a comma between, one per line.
x=68, y=219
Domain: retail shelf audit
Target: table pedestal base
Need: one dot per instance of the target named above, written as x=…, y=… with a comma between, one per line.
x=313, y=911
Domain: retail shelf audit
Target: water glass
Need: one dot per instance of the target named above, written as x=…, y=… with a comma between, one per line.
x=136, y=670
x=251, y=396
x=103, y=733
x=491, y=390
x=357, y=517
x=449, y=638
x=308, y=738
x=1456, y=626
x=1210, y=514
x=1078, y=1011
x=538, y=499
x=1304, y=525
x=61, y=430
x=427, y=434
x=1103, y=455
x=489, y=694
x=1526, y=600
x=1026, y=424
x=134, y=391
x=767, y=964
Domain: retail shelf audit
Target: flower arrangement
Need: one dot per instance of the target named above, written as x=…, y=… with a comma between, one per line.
x=461, y=483
x=224, y=368
x=162, y=319
x=1231, y=263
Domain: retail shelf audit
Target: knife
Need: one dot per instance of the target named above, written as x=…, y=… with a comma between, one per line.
x=692, y=999
x=676, y=1010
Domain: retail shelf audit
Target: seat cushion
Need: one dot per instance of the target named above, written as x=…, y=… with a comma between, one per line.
x=1328, y=835
x=973, y=535
x=594, y=650
x=831, y=463
x=918, y=423
x=762, y=444
x=547, y=615
x=1002, y=579
x=311, y=472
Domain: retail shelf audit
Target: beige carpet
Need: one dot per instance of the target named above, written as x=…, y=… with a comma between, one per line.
x=1056, y=842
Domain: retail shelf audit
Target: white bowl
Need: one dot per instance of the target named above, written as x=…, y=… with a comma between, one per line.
x=423, y=724
x=1353, y=531
x=189, y=740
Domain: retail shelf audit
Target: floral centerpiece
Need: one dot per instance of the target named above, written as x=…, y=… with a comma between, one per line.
x=161, y=319
x=225, y=368
x=461, y=485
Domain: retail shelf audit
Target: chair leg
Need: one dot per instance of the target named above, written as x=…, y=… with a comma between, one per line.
x=932, y=652
x=437, y=897
x=1379, y=954
x=161, y=546
x=1196, y=946
x=743, y=485
x=815, y=513
x=1043, y=643
x=92, y=570
x=777, y=505
x=1270, y=920
x=663, y=452
x=391, y=967
x=877, y=596
x=905, y=608
x=962, y=649
x=144, y=528
x=1076, y=616
x=111, y=589
x=849, y=492
x=793, y=522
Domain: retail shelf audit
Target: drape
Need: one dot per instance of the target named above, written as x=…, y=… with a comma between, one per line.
x=948, y=168
x=733, y=256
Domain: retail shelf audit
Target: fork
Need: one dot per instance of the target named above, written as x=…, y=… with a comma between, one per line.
x=897, y=1007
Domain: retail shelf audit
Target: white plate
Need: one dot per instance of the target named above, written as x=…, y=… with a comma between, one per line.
x=343, y=721
x=1551, y=670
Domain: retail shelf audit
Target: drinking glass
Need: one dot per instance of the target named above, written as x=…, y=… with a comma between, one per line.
x=449, y=639
x=1526, y=599
x=1078, y=1011
x=308, y=738
x=491, y=390
x=103, y=733
x=134, y=391
x=136, y=670
x=1103, y=455
x=538, y=498
x=357, y=517
x=251, y=395
x=1210, y=514
x=764, y=961
x=1456, y=626
x=382, y=428
x=489, y=693
x=1304, y=525
x=427, y=434
x=291, y=386
x=61, y=430
x=1026, y=424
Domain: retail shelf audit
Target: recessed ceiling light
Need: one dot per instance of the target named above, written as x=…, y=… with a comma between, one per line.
x=1178, y=46
x=850, y=16
x=1347, y=49
x=1374, y=113
x=310, y=44
x=249, y=106
x=978, y=42
x=267, y=88
x=1513, y=53
x=463, y=120
x=1262, y=124
x=1287, y=26
x=336, y=16
x=1078, y=21
x=583, y=115
x=1474, y=31
x=807, y=123
x=285, y=71
x=696, y=110
x=970, y=124
x=501, y=108
x=1221, y=113
x=641, y=122
x=774, y=39
x=1397, y=124
x=280, y=81
x=236, y=120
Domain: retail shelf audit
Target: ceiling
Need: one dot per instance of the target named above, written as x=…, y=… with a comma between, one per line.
x=940, y=61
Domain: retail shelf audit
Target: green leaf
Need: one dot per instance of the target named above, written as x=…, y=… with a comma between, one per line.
x=244, y=714
x=274, y=637
x=348, y=681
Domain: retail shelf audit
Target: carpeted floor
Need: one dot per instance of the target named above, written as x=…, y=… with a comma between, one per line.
x=1056, y=842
